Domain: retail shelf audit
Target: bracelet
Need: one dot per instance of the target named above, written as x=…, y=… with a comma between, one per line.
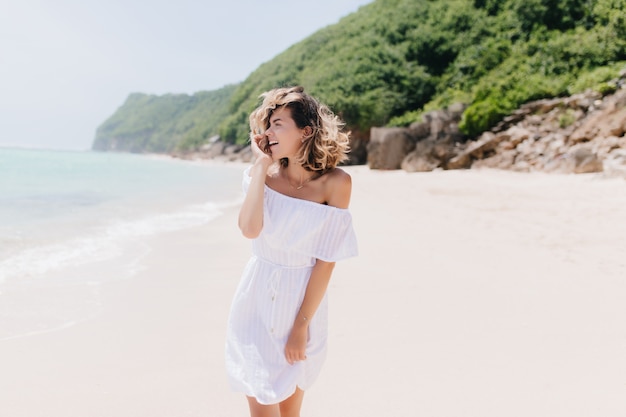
x=304, y=318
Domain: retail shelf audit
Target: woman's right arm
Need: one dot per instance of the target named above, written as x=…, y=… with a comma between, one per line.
x=251, y=212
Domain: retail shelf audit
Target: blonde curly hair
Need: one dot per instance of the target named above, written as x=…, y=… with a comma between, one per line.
x=325, y=147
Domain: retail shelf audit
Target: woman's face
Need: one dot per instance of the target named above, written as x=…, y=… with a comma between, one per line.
x=284, y=136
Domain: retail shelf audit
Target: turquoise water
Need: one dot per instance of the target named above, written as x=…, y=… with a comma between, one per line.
x=65, y=217
x=64, y=207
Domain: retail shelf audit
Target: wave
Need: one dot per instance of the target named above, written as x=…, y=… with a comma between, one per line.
x=105, y=242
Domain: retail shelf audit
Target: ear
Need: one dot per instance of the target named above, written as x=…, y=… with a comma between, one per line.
x=308, y=131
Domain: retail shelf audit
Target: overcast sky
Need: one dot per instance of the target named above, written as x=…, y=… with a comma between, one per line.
x=67, y=65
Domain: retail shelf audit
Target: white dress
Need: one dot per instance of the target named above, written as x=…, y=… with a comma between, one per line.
x=295, y=233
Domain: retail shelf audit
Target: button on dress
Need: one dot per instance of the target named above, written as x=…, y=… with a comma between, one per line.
x=295, y=233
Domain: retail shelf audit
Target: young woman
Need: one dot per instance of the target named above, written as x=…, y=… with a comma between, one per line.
x=296, y=213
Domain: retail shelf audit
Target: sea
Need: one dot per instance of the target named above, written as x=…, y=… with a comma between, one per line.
x=65, y=214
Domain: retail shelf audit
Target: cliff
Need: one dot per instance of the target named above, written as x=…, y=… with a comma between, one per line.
x=163, y=124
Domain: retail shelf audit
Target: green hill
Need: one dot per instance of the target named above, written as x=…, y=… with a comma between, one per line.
x=394, y=59
x=160, y=124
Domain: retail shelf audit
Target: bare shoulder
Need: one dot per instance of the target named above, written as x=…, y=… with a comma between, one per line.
x=338, y=187
x=339, y=178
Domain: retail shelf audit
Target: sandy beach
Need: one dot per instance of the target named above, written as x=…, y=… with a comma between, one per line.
x=476, y=293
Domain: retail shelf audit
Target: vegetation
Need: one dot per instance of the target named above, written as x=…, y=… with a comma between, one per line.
x=392, y=60
x=159, y=124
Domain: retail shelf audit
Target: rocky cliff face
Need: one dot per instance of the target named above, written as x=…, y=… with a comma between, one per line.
x=577, y=134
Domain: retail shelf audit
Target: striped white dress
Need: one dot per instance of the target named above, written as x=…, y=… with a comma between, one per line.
x=295, y=233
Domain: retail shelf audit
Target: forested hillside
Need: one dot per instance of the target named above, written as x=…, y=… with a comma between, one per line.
x=394, y=59
x=160, y=124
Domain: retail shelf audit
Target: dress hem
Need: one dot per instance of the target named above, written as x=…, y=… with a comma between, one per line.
x=262, y=402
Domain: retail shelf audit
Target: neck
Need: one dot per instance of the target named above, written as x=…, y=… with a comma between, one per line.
x=298, y=177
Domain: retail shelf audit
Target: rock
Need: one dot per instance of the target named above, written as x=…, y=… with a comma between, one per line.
x=428, y=155
x=512, y=137
x=501, y=160
x=521, y=166
x=461, y=161
x=425, y=145
x=437, y=125
x=484, y=146
x=245, y=155
x=558, y=163
x=534, y=120
x=583, y=160
x=388, y=146
x=615, y=164
x=548, y=135
x=420, y=130
x=455, y=110
x=544, y=106
x=358, y=151
x=610, y=121
x=581, y=101
x=416, y=162
x=215, y=149
x=564, y=134
x=605, y=146
x=231, y=149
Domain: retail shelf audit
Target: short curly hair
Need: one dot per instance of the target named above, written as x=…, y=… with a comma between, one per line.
x=327, y=145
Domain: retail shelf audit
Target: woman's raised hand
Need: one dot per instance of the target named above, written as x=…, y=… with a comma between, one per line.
x=260, y=148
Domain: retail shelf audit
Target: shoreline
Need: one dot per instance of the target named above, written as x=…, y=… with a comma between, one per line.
x=473, y=290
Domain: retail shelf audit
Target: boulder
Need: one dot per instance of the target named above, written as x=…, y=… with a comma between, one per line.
x=230, y=150
x=245, y=154
x=615, y=164
x=420, y=130
x=416, y=162
x=484, y=147
x=215, y=149
x=462, y=161
x=501, y=160
x=513, y=136
x=358, y=150
x=427, y=155
x=582, y=160
x=388, y=146
x=609, y=121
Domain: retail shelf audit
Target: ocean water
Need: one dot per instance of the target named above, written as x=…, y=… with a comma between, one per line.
x=64, y=213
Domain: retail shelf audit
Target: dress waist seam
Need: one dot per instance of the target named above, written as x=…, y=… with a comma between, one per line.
x=274, y=264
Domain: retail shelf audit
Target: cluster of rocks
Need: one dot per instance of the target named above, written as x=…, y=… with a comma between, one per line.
x=423, y=146
x=577, y=134
x=217, y=149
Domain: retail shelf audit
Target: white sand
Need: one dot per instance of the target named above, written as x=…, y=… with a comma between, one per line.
x=476, y=293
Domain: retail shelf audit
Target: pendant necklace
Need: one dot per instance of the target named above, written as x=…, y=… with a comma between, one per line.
x=302, y=183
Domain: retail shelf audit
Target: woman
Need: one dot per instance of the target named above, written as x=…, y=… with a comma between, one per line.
x=296, y=213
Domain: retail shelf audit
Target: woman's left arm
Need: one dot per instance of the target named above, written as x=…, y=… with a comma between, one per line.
x=315, y=290
x=340, y=186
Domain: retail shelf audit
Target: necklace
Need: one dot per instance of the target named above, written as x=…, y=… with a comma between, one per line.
x=302, y=183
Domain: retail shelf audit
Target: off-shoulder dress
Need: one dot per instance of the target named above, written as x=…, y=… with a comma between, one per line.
x=295, y=234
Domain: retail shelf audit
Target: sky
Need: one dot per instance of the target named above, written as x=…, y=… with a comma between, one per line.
x=67, y=65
